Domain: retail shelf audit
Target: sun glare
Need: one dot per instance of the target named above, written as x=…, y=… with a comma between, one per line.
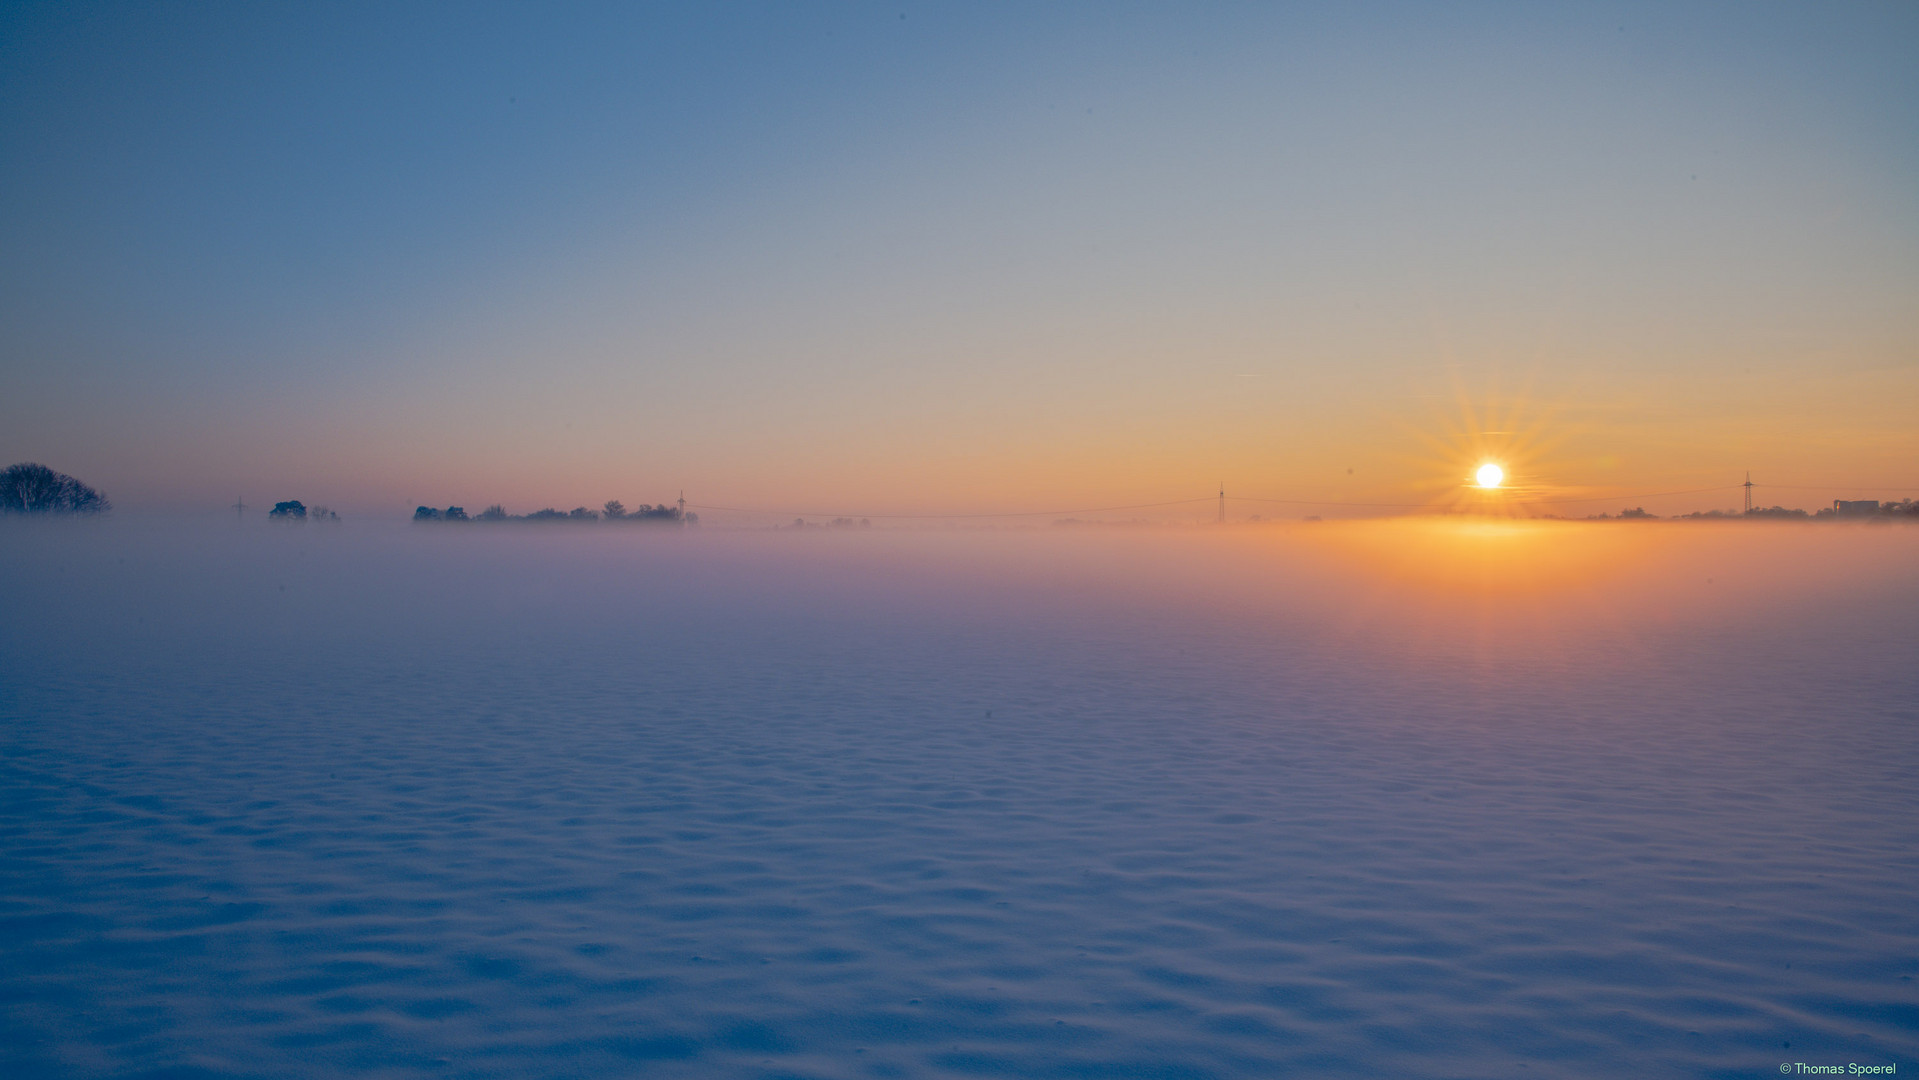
x=1492, y=458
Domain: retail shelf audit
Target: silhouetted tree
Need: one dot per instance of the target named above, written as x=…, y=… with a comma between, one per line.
x=30, y=488
x=291, y=510
x=613, y=510
x=425, y=513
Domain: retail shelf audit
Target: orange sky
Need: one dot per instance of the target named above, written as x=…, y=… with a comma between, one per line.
x=1040, y=260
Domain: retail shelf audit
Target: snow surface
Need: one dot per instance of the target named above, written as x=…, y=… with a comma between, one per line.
x=1421, y=799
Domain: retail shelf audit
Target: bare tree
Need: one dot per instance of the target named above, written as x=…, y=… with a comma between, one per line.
x=29, y=488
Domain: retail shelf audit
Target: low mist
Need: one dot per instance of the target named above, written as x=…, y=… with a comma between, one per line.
x=1415, y=797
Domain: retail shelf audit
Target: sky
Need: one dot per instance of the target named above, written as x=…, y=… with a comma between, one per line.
x=967, y=258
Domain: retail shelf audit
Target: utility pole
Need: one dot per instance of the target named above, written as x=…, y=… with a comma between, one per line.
x=1748, y=486
x=1222, y=502
x=240, y=509
x=682, y=504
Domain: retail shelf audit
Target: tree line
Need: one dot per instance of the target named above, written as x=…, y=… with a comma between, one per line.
x=613, y=510
x=295, y=510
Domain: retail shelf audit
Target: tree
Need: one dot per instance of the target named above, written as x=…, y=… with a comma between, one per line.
x=496, y=512
x=291, y=510
x=615, y=510
x=425, y=513
x=30, y=488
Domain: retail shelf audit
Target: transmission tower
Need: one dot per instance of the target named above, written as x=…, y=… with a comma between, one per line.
x=1748, y=486
x=240, y=508
x=1222, y=502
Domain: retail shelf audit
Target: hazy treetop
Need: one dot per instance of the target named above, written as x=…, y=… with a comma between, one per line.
x=32, y=488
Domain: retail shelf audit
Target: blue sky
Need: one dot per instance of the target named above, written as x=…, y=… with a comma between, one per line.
x=905, y=256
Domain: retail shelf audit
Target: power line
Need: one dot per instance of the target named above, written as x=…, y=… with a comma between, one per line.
x=1840, y=487
x=926, y=517
x=1222, y=498
x=1324, y=502
x=1518, y=497
x=1643, y=495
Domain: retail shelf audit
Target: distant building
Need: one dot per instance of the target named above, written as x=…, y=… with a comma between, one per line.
x=1855, y=506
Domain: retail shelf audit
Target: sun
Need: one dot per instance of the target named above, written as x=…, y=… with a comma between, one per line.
x=1493, y=458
